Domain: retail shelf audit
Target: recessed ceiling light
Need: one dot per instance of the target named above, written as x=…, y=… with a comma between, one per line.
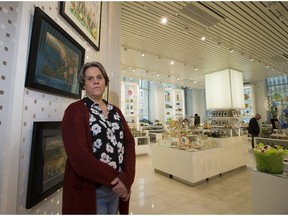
x=172, y=62
x=142, y=54
x=195, y=68
x=164, y=20
x=158, y=75
x=203, y=38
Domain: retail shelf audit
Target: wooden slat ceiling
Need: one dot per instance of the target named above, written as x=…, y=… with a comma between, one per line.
x=257, y=30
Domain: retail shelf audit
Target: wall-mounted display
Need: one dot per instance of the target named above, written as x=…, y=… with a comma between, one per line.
x=85, y=17
x=47, y=162
x=174, y=104
x=54, y=58
x=130, y=103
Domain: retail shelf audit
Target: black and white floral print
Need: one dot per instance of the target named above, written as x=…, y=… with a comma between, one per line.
x=107, y=134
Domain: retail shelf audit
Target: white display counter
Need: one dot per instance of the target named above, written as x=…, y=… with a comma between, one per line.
x=269, y=192
x=193, y=167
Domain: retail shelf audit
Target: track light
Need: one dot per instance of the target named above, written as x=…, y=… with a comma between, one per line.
x=164, y=20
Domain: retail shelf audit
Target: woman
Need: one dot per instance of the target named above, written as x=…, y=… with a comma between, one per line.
x=274, y=121
x=100, y=167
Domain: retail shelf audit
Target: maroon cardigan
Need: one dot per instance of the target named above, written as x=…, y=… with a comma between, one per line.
x=83, y=170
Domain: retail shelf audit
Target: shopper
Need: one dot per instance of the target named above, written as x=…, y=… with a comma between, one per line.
x=274, y=121
x=196, y=120
x=100, y=167
x=254, y=128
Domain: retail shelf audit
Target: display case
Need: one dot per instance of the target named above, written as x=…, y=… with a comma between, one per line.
x=130, y=103
x=179, y=104
x=174, y=104
x=169, y=105
x=224, y=123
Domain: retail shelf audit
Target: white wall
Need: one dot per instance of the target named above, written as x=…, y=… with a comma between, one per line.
x=20, y=107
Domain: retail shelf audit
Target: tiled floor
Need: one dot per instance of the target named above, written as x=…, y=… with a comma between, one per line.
x=153, y=193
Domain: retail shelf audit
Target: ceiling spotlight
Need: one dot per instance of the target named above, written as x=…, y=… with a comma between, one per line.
x=231, y=50
x=195, y=68
x=203, y=38
x=195, y=81
x=164, y=20
x=142, y=54
x=176, y=14
x=172, y=62
x=131, y=78
x=251, y=59
x=266, y=66
x=158, y=75
x=133, y=70
x=281, y=17
x=178, y=78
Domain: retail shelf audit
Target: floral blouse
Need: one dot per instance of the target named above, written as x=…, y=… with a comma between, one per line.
x=107, y=134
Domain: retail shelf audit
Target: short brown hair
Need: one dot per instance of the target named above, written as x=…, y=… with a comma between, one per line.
x=81, y=75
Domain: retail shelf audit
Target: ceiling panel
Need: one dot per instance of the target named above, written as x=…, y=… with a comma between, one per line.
x=254, y=30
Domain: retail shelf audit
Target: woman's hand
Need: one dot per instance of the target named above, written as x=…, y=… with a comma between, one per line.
x=119, y=188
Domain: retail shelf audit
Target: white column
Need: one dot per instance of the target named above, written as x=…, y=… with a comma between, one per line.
x=113, y=52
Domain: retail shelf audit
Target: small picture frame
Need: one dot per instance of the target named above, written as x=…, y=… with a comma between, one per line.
x=225, y=114
x=184, y=140
x=219, y=114
x=234, y=113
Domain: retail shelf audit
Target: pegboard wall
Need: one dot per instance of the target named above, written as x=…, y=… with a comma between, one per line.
x=37, y=106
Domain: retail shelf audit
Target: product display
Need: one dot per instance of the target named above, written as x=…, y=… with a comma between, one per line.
x=269, y=159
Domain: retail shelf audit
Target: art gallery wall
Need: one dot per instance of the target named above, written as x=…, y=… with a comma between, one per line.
x=20, y=107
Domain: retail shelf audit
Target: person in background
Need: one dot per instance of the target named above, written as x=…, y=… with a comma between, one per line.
x=100, y=167
x=196, y=120
x=254, y=128
x=274, y=121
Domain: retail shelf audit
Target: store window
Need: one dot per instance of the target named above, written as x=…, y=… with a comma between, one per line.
x=277, y=98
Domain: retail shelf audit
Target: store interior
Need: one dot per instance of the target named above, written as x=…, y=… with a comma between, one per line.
x=224, y=61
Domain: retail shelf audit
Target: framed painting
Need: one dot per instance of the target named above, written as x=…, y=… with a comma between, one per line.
x=85, y=17
x=54, y=59
x=47, y=162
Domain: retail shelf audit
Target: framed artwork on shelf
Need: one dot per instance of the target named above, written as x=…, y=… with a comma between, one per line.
x=219, y=114
x=85, y=18
x=234, y=113
x=54, y=58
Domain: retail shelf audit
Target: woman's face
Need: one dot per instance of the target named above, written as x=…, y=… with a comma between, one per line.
x=94, y=84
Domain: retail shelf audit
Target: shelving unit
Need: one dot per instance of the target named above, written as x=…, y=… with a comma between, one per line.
x=174, y=104
x=179, y=103
x=130, y=103
x=226, y=122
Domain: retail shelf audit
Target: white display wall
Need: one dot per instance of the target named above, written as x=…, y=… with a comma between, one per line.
x=20, y=107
